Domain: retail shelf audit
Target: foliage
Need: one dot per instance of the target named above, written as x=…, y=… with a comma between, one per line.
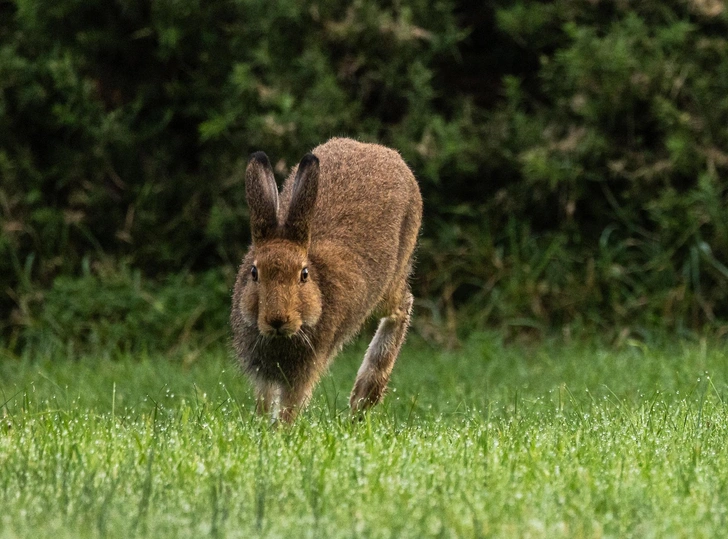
x=629, y=155
x=559, y=440
x=118, y=310
x=572, y=154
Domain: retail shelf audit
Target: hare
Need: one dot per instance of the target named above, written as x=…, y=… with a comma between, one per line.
x=335, y=248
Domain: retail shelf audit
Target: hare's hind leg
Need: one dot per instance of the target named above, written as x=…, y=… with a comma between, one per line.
x=373, y=375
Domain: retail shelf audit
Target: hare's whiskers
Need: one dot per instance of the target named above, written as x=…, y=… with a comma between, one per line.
x=306, y=339
x=258, y=339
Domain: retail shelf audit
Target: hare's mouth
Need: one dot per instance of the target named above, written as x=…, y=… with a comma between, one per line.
x=278, y=328
x=281, y=333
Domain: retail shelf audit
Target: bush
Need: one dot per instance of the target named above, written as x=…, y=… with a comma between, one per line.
x=571, y=154
x=119, y=310
x=615, y=208
x=125, y=126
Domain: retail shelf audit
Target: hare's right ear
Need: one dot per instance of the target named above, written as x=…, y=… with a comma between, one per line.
x=262, y=194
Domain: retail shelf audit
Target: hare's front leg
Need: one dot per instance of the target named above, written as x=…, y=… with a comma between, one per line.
x=373, y=375
x=281, y=402
x=267, y=398
x=295, y=398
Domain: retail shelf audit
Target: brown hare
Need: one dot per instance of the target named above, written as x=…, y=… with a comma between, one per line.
x=335, y=248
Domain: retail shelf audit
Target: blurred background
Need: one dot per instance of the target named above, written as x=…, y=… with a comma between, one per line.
x=572, y=156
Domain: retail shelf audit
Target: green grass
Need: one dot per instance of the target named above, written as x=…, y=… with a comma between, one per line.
x=548, y=440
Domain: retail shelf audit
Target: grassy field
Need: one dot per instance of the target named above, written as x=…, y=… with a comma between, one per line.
x=546, y=440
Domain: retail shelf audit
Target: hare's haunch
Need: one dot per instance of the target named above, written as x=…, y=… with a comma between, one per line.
x=334, y=248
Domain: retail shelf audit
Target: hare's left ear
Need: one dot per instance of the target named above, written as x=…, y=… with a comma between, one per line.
x=305, y=188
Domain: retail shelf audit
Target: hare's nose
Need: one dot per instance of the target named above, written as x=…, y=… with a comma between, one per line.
x=277, y=323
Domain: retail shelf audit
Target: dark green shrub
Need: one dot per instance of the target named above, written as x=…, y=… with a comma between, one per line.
x=124, y=126
x=572, y=154
x=614, y=146
x=119, y=309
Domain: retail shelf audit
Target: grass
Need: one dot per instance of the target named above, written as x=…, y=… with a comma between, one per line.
x=547, y=440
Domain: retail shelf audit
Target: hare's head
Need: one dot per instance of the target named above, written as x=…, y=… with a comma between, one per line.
x=280, y=293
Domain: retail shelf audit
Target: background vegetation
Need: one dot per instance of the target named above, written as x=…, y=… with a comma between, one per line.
x=572, y=155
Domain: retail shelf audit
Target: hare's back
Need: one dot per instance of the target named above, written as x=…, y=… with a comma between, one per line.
x=365, y=191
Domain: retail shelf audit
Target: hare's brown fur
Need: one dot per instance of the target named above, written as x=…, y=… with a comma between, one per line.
x=350, y=216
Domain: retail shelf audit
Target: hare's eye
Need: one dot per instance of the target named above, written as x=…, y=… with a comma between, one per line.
x=254, y=273
x=304, y=275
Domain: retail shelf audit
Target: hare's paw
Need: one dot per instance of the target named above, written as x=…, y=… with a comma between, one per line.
x=368, y=390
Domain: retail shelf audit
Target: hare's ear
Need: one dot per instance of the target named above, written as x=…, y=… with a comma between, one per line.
x=262, y=194
x=303, y=199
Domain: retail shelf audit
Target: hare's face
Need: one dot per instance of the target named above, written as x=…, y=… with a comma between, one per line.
x=281, y=291
x=280, y=295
